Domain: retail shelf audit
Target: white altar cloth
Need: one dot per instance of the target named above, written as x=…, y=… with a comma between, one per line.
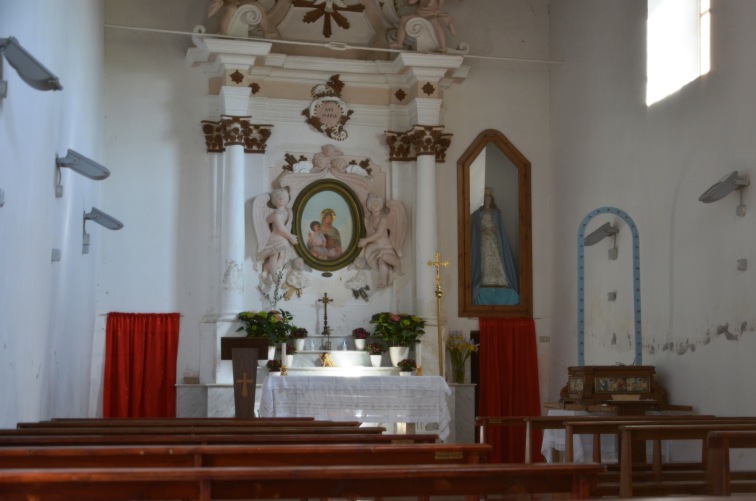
x=370, y=399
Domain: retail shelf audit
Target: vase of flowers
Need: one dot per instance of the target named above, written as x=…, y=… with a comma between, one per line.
x=274, y=325
x=399, y=331
x=290, y=351
x=406, y=367
x=274, y=367
x=360, y=336
x=298, y=335
x=459, y=349
x=375, y=350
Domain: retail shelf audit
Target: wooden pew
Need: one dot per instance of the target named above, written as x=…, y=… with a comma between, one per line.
x=230, y=483
x=247, y=439
x=183, y=422
x=691, y=484
x=719, y=444
x=240, y=455
x=193, y=430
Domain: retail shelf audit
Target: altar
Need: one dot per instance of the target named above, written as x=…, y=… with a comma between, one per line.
x=369, y=399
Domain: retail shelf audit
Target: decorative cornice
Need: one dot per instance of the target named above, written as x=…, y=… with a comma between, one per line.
x=420, y=140
x=234, y=130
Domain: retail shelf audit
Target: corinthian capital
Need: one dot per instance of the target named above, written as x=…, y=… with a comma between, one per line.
x=234, y=130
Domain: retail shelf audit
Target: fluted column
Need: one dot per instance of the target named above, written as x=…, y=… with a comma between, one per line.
x=232, y=137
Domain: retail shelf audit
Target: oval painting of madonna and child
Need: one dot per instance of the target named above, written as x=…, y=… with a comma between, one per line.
x=328, y=222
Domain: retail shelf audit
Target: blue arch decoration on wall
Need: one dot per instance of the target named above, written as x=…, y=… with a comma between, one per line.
x=636, y=282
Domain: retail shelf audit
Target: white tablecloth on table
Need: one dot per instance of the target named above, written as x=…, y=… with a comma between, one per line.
x=370, y=399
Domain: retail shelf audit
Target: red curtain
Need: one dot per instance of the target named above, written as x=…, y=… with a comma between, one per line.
x=140, y=365
x=509, y=384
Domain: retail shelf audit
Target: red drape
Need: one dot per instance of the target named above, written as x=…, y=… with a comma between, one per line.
x=140, y=365
x=509, y=383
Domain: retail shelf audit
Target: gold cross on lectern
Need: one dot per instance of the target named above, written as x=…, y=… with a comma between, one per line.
x=439, y=292
x=243, y=381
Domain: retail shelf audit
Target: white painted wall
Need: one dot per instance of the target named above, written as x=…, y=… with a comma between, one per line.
x=609, y=149
x=47, y=310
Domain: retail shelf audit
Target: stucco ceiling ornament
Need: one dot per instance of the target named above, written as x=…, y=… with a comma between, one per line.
x=327, y=112
x=328, y=9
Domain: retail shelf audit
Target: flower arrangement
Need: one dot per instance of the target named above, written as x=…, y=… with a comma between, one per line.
x=407, y=365
x=299, y=333
x=274, y=365
x=360, y=333
x=375, y=349
x=398, y=329
x=274, y=325
x=459, y=349
x=290, y=349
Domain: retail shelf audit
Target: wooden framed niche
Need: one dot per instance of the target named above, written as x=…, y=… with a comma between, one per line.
x=494, y=229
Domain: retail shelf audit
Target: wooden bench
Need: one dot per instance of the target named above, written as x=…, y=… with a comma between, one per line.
x=207, y=439
x=693, y=482
x=240, y=455
x=78, y=422
x=193, y=430
x=719, y=444
x=230, y=483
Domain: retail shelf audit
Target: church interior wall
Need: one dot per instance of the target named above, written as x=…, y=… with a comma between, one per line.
x=583, y=124
x=610, y=149
x=48, y=309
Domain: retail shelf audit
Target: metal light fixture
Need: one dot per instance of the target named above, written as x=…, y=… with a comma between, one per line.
x=81, y=164
x=29, y=69
x=731, y=182
x=100, y=218
x=600, y=233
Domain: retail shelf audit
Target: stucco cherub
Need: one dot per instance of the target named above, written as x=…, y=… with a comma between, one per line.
x=272, y=219
x=386, y=226
x=359, y=283
x=296, y=279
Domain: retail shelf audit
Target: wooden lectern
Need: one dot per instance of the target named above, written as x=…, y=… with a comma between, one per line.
x=244, y=352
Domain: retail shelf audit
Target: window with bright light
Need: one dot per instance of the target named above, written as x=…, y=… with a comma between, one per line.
x=678, y=45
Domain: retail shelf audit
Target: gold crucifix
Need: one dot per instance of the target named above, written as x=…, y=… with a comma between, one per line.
x=243, y=381
x=326, y=330
x=439, y=292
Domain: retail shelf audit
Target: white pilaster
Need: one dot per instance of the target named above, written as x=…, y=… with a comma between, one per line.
x=426, y=235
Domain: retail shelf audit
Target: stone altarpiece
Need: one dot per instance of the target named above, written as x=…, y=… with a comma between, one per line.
x=257, y=91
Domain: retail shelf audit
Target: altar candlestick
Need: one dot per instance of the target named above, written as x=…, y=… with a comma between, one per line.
x=419, y=359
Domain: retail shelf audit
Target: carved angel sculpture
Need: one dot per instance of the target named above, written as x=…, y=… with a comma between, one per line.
x=386, y=226
x=272, y=221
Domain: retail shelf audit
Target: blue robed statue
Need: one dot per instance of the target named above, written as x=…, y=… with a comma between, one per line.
x=494, y=274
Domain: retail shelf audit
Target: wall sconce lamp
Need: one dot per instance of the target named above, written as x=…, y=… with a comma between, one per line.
x=100, y=218
x=81, y=164
x=29, y=69
x=731, y=182
x=600, y=233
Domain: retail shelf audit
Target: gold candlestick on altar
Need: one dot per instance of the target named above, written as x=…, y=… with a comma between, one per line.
x=439, y=292
x=326, y=330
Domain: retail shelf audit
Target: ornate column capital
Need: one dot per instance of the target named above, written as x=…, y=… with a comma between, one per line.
x=420, y=140
x=430, y=140
x=235, y=130
x=400, y=146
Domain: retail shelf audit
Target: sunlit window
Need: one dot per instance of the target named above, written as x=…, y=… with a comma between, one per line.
x=678, y=45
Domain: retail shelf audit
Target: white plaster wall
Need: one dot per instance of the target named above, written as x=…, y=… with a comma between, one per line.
x=609, y=149
x=47, y=310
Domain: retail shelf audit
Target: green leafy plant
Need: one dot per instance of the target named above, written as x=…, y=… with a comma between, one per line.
x=375, y=349
x=275, y=325
x=407, y=365
x=398, y=329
